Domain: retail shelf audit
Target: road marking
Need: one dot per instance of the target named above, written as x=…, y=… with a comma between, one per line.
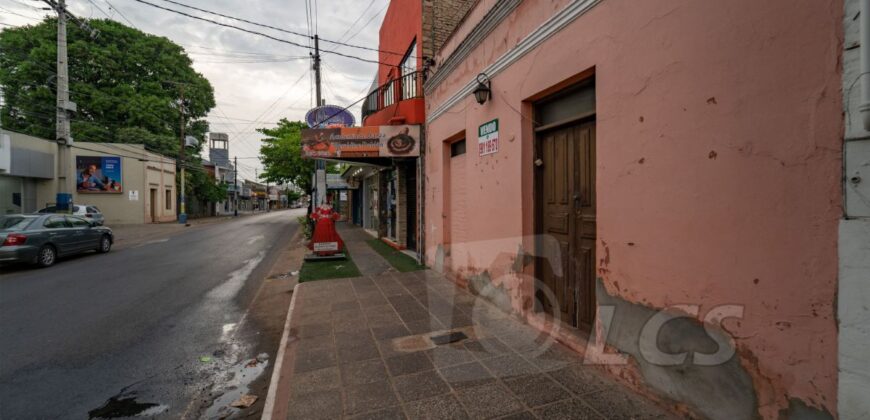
x=255, y=239
x=152, y=242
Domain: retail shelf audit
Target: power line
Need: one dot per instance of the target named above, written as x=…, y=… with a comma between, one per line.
x=253, y=32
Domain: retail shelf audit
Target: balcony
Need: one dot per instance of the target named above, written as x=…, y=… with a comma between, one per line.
x=402, y=98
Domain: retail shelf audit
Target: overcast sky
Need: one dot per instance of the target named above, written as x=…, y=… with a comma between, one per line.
x=254, y=78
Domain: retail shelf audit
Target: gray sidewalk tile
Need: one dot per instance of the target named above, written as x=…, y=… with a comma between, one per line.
x=362, y=350
x=443, y=407
x=418, y=386
x=487, y=401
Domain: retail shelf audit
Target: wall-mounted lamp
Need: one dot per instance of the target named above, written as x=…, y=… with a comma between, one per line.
x=483, y=91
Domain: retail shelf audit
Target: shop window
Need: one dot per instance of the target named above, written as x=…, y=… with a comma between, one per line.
x=457, y=148
x=168, y=199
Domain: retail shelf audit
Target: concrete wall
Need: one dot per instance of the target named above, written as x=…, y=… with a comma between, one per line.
x=854, y=241
x=44, y=190
x=155, y=172
x=719, y=163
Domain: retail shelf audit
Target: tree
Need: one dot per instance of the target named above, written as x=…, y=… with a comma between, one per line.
x=127, y=85
x=281, y=154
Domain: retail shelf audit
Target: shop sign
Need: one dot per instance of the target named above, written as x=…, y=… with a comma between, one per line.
x=98, y=174
x=328, y=116
x=325, y=246
x=362, y=142
x=487, y=138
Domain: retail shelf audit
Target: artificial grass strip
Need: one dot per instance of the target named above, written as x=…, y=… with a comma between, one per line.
x=329, y=269
x=398, y=259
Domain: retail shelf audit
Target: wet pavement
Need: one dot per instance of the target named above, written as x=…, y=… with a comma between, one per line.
x=162, y=329
x=413, y=345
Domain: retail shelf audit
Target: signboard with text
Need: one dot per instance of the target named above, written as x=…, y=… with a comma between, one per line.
x=98, y=174
x=487, y=138
x=362, y=142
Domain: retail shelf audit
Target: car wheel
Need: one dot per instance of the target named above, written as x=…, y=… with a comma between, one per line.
x=105, y=244
x=47, y=256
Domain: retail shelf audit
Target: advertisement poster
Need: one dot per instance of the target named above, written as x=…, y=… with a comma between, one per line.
x=99, y=174
x=362, y=142
x=487, y=138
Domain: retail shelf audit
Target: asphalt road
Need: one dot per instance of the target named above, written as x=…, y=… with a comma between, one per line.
x=153, y=329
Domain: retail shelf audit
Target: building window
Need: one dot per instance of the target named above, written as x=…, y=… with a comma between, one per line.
x=168, y=199
x=409, y=70
x=457, y=148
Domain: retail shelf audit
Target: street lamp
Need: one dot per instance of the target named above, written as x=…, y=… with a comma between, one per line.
x=483, y=91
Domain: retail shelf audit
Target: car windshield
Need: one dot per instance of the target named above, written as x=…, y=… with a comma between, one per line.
x=14, y=223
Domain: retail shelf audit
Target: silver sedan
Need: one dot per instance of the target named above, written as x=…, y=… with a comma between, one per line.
x=43, y=238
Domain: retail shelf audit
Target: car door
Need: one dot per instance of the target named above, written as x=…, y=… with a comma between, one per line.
x=59, y=233
x=84, y=236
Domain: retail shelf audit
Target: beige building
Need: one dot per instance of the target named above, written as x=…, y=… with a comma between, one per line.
x=129, y=184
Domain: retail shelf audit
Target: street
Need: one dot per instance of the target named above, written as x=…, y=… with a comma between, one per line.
x=154, y=328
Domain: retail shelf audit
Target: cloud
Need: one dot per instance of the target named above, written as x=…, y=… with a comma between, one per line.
x=253, y=77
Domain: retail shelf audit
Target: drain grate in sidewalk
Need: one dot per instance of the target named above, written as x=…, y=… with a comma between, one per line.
x=453, y=337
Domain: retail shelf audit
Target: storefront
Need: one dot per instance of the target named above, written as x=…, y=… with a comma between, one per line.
x=383, y=168
x=127, y=183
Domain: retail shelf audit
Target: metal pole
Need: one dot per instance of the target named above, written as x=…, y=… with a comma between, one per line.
x=63, y=135
x=182, y=216
x=319, y=165
x=236, y=187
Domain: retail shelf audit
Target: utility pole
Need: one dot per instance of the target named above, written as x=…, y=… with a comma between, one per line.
x=317, y=69
x=257, y=181
x=62, y=132
x=236, y=187
x=319, y=164
x=182, y=205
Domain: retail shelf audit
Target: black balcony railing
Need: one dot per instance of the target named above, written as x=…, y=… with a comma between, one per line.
x=409, y=86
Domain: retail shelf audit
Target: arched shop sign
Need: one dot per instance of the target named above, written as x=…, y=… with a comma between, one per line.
x=327, y=116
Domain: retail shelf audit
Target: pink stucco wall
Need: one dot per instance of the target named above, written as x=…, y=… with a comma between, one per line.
x=718, y=158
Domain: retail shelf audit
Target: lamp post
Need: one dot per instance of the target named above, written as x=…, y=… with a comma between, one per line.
x=483, y=91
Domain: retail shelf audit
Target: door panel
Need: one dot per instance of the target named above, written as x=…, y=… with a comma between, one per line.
x=567, y=214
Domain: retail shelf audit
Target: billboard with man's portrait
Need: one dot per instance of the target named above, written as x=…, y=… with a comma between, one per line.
x=99, y=174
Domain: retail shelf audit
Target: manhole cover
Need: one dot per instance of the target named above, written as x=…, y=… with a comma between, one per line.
x=453, y=337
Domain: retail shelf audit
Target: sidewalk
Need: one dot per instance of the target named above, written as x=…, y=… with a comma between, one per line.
x=413, y=345
x=369, y=262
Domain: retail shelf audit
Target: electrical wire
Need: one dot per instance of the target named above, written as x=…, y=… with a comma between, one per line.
x=226, y=25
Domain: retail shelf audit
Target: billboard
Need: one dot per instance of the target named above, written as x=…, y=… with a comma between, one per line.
x=329, y=116
x=362, y=142
x=99, y=174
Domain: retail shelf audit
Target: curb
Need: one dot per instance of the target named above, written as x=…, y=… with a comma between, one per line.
x=275, y=380
x=269, y=405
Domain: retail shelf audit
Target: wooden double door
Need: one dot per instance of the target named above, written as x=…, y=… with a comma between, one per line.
x=566, y=213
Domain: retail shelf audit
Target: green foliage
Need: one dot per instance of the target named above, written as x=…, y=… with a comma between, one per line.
x=281, y=154
x=293, y=195
x=126, y=83
x=204, y=186
x=328, y=269
x=305, y=224
x=399, y=260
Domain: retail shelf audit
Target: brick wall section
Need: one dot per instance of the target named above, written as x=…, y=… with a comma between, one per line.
x=440, y=18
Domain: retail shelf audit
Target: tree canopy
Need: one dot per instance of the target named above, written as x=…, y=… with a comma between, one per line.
x=281, y=155
x=127, y=85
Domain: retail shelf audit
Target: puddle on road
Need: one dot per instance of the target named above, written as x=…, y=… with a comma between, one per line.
x=237, y=383
x=126, y=405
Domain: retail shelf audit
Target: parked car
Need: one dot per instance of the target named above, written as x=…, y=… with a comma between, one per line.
x=42, y=238
x=83, y=210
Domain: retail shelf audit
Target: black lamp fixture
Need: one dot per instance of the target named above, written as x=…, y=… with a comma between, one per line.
x=483, y=91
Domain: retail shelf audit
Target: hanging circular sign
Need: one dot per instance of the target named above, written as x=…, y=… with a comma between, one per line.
x=327, y=116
